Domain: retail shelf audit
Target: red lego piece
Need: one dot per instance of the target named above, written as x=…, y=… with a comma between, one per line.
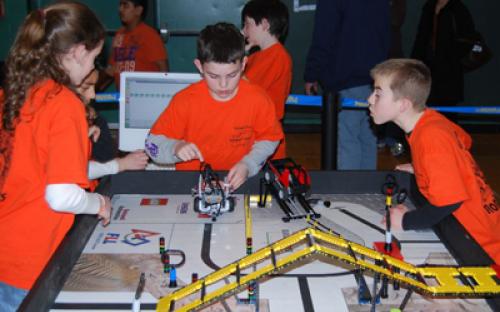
x=395, y=252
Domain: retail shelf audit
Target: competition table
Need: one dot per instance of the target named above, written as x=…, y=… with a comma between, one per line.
x=97, y=268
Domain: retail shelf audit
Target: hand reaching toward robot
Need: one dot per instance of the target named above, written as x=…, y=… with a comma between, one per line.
x=237, y=175
x=397, y=214
x=186, y=151
x=406, y=167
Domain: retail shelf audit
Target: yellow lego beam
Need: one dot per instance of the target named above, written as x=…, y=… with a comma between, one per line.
x=445, y=281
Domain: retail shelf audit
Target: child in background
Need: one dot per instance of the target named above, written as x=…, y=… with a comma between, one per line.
x=446, y=173
x=222, y=120
x=265, y=24
x=136, y=46
x=133, y=161
x=44, y=142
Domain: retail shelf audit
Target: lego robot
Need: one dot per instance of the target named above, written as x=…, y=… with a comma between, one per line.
x=290, y=184
x=212, y=197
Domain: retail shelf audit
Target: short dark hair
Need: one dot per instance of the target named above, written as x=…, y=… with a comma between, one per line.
x=143, y=4
x=220, y=43
x=274, y=11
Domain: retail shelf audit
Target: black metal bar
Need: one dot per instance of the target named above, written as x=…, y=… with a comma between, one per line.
x=329, y=119
x=374, y=292
x=263, y=192
x=406, y=299
x=305, y=294
x=307, y=208
x=238, y=273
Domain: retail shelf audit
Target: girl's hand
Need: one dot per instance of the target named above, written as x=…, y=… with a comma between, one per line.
x=104, y=212
x=94, y=133
x=136, y=160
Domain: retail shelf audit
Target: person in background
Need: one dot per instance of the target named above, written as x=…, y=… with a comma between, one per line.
x=349, y=38
x=265, y=25
x=103, y=145
x=136, y=46
x=390, y=134
x=133, y=161
x=441, y=23
x=44, y=142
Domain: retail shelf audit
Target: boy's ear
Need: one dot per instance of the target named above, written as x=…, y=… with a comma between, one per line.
x=405, y=104
x=265, y=24
x=197, y=63
x=244, y=63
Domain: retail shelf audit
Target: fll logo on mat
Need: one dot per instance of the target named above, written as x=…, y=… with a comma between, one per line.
x=111, y=238
x=138, y=237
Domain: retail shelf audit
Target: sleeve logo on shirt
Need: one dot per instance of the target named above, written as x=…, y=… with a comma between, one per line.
x=152, y=149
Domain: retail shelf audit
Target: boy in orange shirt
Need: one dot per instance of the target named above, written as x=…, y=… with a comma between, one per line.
x=223, y=120
x=446, y=173
x=136, y=46
x=265, y=25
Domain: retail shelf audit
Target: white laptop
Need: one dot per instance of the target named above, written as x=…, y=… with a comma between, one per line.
x=143, y=97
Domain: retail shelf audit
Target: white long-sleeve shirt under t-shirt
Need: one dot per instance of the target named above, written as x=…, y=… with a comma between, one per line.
x=71, y=198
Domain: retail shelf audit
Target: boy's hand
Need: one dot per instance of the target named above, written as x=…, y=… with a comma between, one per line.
x=311, y=88
x=94, y=133
x=237, y=175
x=406, y=167
x=186, y=151
x=136, y=160
x=104, y=212
x=397, y=214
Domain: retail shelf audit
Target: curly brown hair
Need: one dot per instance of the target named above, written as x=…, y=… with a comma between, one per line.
x=44, y=37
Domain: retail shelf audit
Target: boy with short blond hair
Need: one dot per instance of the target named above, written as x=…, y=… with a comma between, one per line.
x=445, y=171
x=222, y=120
x=265, y=25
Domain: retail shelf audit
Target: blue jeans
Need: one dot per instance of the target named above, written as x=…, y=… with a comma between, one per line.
x=357, y=143
x=10, y=297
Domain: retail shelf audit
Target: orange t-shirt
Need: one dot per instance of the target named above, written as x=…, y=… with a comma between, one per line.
x=137, y=50
x=446, y=174
x=272, y=70
x=223, y=131
x=50, y=147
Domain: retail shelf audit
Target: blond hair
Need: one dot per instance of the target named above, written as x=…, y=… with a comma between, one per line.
x=410, y=79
